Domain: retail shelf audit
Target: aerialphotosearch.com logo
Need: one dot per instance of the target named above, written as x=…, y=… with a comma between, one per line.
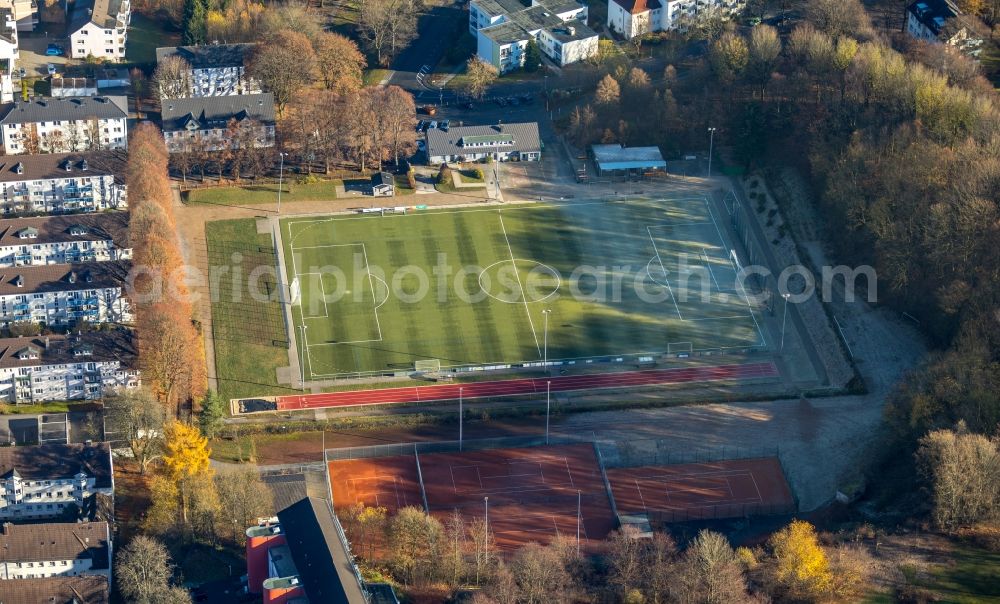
x=691, y=278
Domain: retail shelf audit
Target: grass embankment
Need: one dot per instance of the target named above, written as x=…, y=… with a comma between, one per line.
x=145, y=35
x=265, y=193
x=52, y=407
x=249, y=335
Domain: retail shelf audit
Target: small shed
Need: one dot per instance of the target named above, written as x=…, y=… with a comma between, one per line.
x=383, y=184
x=615, y=159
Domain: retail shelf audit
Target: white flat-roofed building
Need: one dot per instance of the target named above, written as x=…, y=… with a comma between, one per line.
x=58, y=549
x=84, y=366
x=62, y=183
x=64, y=124
x=41, y=481
x=64, y=239
x=503, y=29
x=64, y=294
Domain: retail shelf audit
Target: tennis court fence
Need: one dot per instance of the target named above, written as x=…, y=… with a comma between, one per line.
x=449, y=446
x=717, y=512
x=663, y=452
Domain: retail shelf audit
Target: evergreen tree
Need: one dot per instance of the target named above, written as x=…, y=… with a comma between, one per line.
x=195, y=14
x=532, y=57
x=213, y=409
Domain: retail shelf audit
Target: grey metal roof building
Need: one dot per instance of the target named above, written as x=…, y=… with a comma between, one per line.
x=208, y=56
x=212, y=112
x=473, y=142
x=64, y=109
x=59, y=462
x=614, y=158
x=62, y=165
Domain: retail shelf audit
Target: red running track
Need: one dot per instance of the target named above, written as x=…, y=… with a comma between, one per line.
x=445, y=392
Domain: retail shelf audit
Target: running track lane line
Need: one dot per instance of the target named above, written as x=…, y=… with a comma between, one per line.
x=445, y=392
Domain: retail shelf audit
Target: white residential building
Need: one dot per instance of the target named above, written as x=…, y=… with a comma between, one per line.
x=99, y=29
x=67, y=124
x=633, y=18
x=25, y=13
x=63, y=294
x=205, y=121
x=503, y=29
x=64, y=239
x=9, y=53
x=63, y=549
x=41, y=481
x=216, y=69
x=62, y=183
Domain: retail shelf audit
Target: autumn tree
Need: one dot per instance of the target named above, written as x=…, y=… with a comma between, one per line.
x=341, y=64
x=134, y=416
x=801, y=564
x=415, y=540
x=480, y=75
x=294, y=16
x=186, y=463
x=608, y=91
x=626, y=560
x=283, y=63
x=540, y=575
x=728, y=56
x=763, y=51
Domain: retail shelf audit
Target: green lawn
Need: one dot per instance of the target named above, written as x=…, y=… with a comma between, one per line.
x=145, y=35
x=265, y=193
x=250, y=338
x=374, y=76
x=971, y=576
x=371, y=300
x=53, y=407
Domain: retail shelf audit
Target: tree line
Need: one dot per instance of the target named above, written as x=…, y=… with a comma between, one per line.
x=436, y=558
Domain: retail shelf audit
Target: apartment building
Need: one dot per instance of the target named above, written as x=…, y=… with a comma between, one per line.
x=42, y=481
x=65, y=124
x=81, y=366
x=207, y=122
x=9, y=53
x=216, y=69
x=59, y=590
x=60, y=295
x=634, y=18
x=62, y=183
x=64, y=239
x=25, y=13
x=503, y=29
x=57, y=549
x=943, y=22
x=99, y=29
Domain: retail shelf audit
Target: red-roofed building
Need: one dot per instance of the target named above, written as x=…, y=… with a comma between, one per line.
x=632, y=18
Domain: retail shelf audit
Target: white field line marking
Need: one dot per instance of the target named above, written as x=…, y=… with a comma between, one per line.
x=524, y=296
x=326, y=309
x=664, y=269
x=638, y=489
x=756, y=488
x=371, y=282
x=746, y=298
x=708, y=264
x=717, y=318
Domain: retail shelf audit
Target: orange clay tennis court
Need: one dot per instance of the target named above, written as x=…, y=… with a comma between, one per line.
x=532, y=493
x=702, y=490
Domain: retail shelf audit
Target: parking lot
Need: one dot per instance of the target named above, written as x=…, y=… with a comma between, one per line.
x=32, y=53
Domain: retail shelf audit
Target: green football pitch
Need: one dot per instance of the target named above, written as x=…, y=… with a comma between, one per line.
x=482, y=287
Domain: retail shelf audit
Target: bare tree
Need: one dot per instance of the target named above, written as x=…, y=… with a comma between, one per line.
x=387, y=26
x=283, y=63
x=134, y=416
x=242, y=499
x=963, y=471
x=625, y=559
x=143, y=570
x=292, y=16
x=540, y=575
x=711, y=573
x=172, y=78
x=396, y=111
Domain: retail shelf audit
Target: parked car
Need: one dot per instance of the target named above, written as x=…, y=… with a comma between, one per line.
x=421, y=126
x=428, y=109
x=54, y=50
x=433, y=124
x=51, y=69
x=21, y=72
x=444, y=125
